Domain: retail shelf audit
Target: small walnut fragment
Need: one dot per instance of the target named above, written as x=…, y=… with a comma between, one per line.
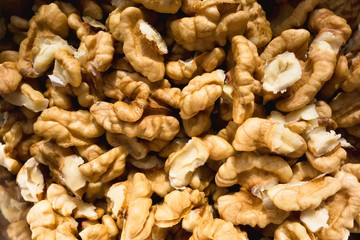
x=31, y=181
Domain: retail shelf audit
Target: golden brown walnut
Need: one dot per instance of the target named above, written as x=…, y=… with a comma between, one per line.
x=106, y=230
x=258, y=27
x=105, y=167
x=91, y=8
x=250, y=169
x=95, y=52
x=10, y=77
x=45, y=223
x=332, y=32
x=131, y=200
x=143, y=45
x=138, y=92
x=168, y=96
x=149, y=127
x=67, y=70
x=303, y=171
x=345, y=109
x=161, y=6
x=47, y=30
x=201, y=178
x=81, y=28
x=68, y=128
x=242, y=78
x=198, y=124
x=182, y=71
x=201, y=93
x=177, y=204
x=219, y=148
x=338, y=79
x=217, y=229
x=159, y=181
x=298, y=196
x=246, y=209
x=28, y=97
x=343, y=208
x=31, y=181
x=292, y=230
x=257, y=134
x=12, y=208
x=67, y=205
x=181, y=164
x=137, y=149
x=292, y=40
x=9, y=56
x=63, y=164
x=58, y=96
x=215, y=23
x=196, y=216
x=296, y=18
x=19, y=230
x=352, y=80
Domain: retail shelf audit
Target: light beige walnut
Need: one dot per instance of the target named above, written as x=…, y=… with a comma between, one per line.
x=28, y=97
x=10, y=77
x=197, y=216
x=217, y=229
x=67, y=205
x=242, y=78
x=298, y=196
x=182, y=71
x=143, y=45
x=67, y=70
x=95, y=52
x=343, y=208
x=257, y=134
x=329, y=162
x=63, y=164
x=201, y=93
x=214, y=23
x=303, y=171
x=31, y=181
x=12, y=165
x=149, y=128
x=131, y=202
x=105, y=167
x=68, y=128
x=314, y=219
x=250, y=169
x=176, y=205
x=292, y=40
x=19, y=230
x=352, y=168
x=45, y=223
x=181, y=164
x=246, y=209
x=106, y=230
x=292, y=230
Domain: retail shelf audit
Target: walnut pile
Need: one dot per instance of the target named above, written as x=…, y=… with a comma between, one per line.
x=169, y=119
